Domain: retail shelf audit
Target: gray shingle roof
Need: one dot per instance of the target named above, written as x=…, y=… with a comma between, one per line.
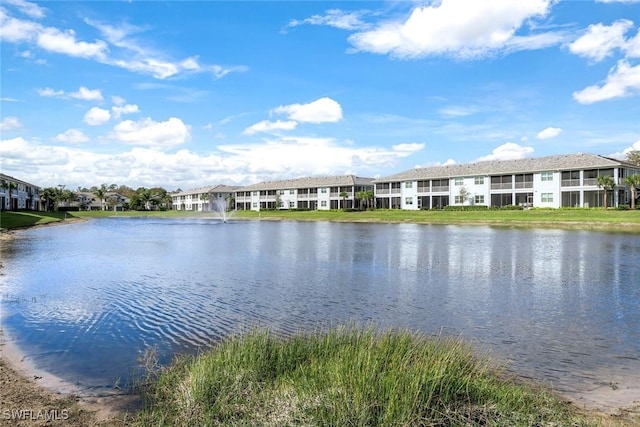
x=499, y=167
x=309, y=182
x=209, y=189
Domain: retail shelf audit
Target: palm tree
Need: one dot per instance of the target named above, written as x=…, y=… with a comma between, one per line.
x=360, y=196
x=369, y=196
x=607, y=184
x=101, y=193
x=343, y=194
x=633, y=182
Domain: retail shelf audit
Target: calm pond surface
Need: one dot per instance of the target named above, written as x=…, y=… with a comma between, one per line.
x=84, y=300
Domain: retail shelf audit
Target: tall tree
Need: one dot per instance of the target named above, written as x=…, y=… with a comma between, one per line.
x=370, y=196
x=634, y=157
x=607, y=184
x=101, y=193
x=633, y=182
x=343, y=194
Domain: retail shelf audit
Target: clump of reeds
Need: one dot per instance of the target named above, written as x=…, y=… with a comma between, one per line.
x=344, y=377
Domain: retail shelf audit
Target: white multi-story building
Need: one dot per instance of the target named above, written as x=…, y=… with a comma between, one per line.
x=555, y=181
x=204, y=199
x=17, y=194
x=318, y=193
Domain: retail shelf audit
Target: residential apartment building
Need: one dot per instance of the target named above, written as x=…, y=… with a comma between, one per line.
x=319, y=193
x=17, y=194
x=204, y=199
x=555, y=181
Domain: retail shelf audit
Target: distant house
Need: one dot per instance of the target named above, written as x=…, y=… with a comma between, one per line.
x=555, y=181
x=314, y=193
x=87, y=201
x=17, y=194
x=204, y=199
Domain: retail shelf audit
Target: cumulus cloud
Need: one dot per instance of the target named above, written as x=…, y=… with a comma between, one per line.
x=268, y=126
x=508, y=151
x=97, y=116
x=18, y=154
x=599, y=41
x=623, y=80
x=548, y=133
x=119, y=110
x=456, y=28
x=323, y=110
x=147, y=132
x=65, y=42
x=72, y=136
x=82, y=93
x=10, y=123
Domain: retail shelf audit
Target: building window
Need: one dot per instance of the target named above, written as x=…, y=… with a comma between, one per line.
x=458, y=181
x=408, y=201
x=546, y=176
x=479, y=200
x=408, y=184
x=323, y=190
x=459, y=200
x=255, y=204
x=547, y=197
x=479, y=180
x=292, y=204
x=291, y=191
x=323, y=203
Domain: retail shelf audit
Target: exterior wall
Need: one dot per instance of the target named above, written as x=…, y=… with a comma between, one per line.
x=542, y=190
x=409, y=195
x=22, y=195
x=324, y=199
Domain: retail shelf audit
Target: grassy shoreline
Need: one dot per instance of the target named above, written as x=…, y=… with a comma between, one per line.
x=346, y=376
x=583, y=219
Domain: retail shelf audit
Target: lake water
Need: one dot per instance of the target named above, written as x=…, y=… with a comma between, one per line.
x=84, y=300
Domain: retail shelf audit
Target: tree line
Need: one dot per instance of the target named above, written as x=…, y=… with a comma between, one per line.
x=109, y=196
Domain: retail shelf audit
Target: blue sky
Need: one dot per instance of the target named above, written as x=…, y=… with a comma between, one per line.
x=187, y=94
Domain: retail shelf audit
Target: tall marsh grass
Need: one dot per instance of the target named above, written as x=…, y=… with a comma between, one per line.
x=347, y=376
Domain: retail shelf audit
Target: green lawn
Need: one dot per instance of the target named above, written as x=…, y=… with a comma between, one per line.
x=614, y=220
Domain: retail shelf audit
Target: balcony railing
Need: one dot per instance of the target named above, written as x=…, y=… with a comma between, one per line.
x=382, y=191
x=439, y=188
x=424, y=189
x=502, y=186
x=590, y=181
x=570, y=183
x=395, y=191
x=525, y=184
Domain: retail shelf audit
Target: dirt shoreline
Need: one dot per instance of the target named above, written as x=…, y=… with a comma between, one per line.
x=31, y=397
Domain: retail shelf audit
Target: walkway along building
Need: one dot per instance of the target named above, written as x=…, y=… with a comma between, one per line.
x=320, y=193
x=549, y=182
x=17, y=194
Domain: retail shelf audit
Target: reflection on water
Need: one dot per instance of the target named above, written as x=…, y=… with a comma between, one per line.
x=84, y=300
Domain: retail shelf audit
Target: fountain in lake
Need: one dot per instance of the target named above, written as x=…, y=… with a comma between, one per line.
x=219, y=206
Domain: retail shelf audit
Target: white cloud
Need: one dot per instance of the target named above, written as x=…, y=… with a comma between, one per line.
x=119, y=110
x=335, y=18
x=548, y=133
x=72, y=136
x=147, y=132
x=623, y=80
x=632, y=47
x=65, y=42
x=10, y=123
x=407, y=149
x=617, y=1
x=431, y=164
x=50, y=92
x=97, y=116
x=508, y=151
x=267, y=126
x=87, y=94
x=17, y=30
x=17, y=154
x=28, y=8
x=599, y=41
x=82, y=93
x=323, y=110
x=456, y=28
